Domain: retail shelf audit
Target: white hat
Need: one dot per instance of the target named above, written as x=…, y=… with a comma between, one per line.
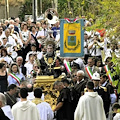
x=78, y=61
x=96, y=76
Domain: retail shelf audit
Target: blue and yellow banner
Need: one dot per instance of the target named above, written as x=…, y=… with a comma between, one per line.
x=71, y=38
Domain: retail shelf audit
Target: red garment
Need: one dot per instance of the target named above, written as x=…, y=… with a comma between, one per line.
x=101, y=31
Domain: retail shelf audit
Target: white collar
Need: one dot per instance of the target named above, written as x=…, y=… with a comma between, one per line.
x=80, y=81
x=104, y=83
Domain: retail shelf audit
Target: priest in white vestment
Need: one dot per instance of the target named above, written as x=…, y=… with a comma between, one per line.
x=90, y=105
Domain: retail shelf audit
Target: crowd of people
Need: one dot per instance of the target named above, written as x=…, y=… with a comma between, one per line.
x=29, y=49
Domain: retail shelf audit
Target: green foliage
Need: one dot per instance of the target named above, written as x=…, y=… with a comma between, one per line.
x=63, y=8
x=118, y=90
x=45, y=5
x=116, y=72
x=106, y=13
x=25, y=9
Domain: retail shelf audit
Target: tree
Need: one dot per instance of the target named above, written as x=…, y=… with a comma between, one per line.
x=26, y=8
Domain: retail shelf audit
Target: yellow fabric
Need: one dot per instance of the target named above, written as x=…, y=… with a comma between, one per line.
x=37, y=101
x=72, y=27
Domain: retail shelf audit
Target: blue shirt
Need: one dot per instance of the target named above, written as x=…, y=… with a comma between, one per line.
x=11, y=80
x=55, y=31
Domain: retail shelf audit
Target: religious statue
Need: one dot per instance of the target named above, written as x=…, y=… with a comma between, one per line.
x=51, y=63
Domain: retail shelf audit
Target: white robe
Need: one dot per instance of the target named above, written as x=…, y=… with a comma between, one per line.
x=25, y=110
x=90, y=107
x=45, y=111
x=117, y=117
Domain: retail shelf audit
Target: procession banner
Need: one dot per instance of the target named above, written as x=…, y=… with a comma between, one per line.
x=71, y=37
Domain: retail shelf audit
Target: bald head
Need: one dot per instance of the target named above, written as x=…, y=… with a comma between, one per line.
x=80, y=72
x=7, y=32
x=19, y=60
x=19, y=57
x=17, y=20
x=2, y=100
x=11, y=21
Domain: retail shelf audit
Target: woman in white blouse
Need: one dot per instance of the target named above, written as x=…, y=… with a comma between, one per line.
x=25, y=36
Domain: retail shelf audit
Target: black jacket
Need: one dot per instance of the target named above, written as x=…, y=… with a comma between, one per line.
x=2, y=115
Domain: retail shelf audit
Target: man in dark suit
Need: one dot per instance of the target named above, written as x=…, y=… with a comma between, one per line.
x=2, y=115
x=19, y=61
x=91, y=68
x=81, y=84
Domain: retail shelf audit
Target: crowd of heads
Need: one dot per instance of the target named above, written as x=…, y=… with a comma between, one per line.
x=97, y=53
